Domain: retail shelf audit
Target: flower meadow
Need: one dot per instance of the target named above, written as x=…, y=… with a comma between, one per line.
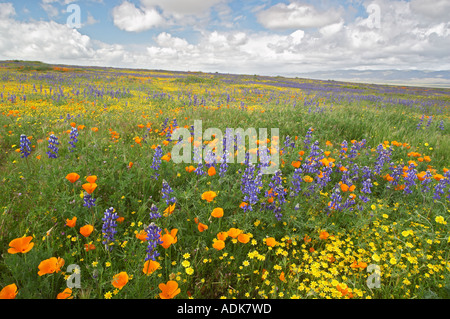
x=93, y=205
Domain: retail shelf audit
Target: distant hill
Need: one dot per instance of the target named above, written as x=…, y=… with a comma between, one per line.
x=439, y=79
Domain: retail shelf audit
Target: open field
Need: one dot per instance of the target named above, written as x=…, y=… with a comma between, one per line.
x=359, y=207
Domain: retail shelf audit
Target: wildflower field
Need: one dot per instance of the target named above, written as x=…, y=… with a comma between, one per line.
x=94, y=206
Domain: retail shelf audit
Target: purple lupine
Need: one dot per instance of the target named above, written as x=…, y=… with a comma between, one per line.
x=420, y=122
x=397, y=172
x=53, y=146
x=367, y=182
x=250, y=184
x=223, y=164
x=156, y=161
x=307, y=140
x=336, y=199
x=426, y=181
x=344, y=146
x=441, y=125
x=25, y=148
x=441, y=185
x=296, y=181
x=384, y=156
x=276, y=185
x=73, y=138
x=109, y=227
x=89, y=201
x=430, y=119
x=153, y=240
x=312, y=162
x=154, y=214
x=166, y=191
x=410, y=178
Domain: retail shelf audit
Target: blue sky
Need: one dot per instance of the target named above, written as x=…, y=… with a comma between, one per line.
x=253, y=37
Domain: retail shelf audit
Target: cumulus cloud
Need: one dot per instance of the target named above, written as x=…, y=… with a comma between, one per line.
x=128, y=17
x=296, y=16
x=434, y=10
x=182, y=7
x=401, y=41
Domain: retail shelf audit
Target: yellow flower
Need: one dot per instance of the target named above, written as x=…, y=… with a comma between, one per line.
x=189, y=271
x=440, y=220
x=108, y=295
x=376, y=258
x=393, y=261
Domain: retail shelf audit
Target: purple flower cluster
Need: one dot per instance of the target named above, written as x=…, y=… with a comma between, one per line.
x=166, y=191
x=278, y=193
x=53, y=146
x=109, y=227
x=440, y=187
x=157, y=161
x=153, y=239
x=73, y=138
x=89, y=201
x=250, y=184
x=25, y=148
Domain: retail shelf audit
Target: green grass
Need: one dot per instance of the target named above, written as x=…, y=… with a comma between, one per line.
x=37, y=199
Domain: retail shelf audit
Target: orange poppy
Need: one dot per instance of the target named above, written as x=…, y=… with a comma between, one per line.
x=217, y=212
x=120, y=219
x=66, y=294
x=9, y=292
x=91, y=179
x=234, y=232
x=222, y=235
x=190, y=169
x=138, y=140
x=169, y=238
x=324, y=235
x=308, y=179
x=243, y=238
x=169, y=290
x=150, y=266
x=169, y=210
x=209, y=196
x=94, y=129
x=89, y=187
x=243, y=205
x=142, y=235
x=21, y=245
x=270, y=241
x=130, y=165
x=51, y=265
x=307, y=239
x=281, y=277
x=218, y=244
x=120, y=280
x=296, y=164
x=86, y=230
x=89, y=246
x=167, y=157
x=72, y=177
x=212, y=171
x=344, y=187
x=71, y=222
x=202, y=227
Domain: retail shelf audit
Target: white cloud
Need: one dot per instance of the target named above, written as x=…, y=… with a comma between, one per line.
x=434, y=10
x=296, y=16
x=7, y=11
x=182, y=7
x=402, y=41
x=129, y=18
